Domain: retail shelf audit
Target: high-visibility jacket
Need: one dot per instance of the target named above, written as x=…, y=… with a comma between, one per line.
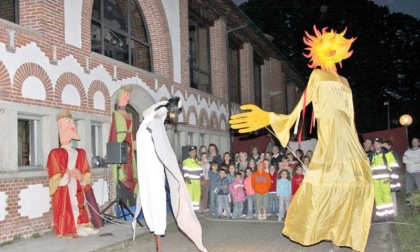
x=192, y=169
x=385, y=166
x=382, y=164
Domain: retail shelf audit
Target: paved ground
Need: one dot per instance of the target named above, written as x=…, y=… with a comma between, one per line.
x=219, y=235
x=222, y=235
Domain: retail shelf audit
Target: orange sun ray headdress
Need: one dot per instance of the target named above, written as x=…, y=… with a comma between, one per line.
x=327, y=48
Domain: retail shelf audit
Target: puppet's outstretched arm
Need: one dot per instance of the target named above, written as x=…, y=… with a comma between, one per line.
x=254, y=119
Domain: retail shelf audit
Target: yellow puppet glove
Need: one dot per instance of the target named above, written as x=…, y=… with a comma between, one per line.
x=252, y=120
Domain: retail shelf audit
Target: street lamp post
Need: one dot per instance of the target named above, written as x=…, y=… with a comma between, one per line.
x=389, y=123
x=406, y=120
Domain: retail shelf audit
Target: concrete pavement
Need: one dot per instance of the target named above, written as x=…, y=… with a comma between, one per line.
x=222, y=235
x=219, y=235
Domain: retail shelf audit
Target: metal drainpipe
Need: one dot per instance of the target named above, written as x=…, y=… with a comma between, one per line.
x=227, y=32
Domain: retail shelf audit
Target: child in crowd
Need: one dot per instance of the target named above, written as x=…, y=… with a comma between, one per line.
x=262, y=157
x=261, y=183
x=306, y=160
x=227, y=159
x=231, y=177
x=267, y=164
x=299, y=154
x=272, y=196
x=231, y=173
x=236, y=158
x=254, y=154
x=284, y=164
x=222, y=189
x=292, y=161
x=213, y=176
x=205, y=183
x=284, y=193
x=297, y=179
x=309, y=153
x=250, y=194
x=268, y=156
x=243, y=161
x=203, y=149
x=252, y=165
x=236, y=189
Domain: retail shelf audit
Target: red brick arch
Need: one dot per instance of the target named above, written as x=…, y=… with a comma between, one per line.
x=5, y=83
x=32, y=69
x=158, y=28
x=192, y=110
x=214, y=122
x=70, y=79
x=203, y=119
x=99, y=86
x=223, y=119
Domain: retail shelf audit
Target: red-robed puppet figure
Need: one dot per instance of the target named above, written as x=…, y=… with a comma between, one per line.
x=69, y=176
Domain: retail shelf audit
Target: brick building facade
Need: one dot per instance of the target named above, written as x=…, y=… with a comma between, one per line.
x=75, y=54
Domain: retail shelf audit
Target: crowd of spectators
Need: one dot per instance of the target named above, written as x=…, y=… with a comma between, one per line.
x=255, y=185
x=262, y=184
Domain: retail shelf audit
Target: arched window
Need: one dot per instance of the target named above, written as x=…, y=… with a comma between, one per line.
x=119, y=31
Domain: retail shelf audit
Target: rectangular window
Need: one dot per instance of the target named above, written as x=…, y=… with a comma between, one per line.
x=96, y=139
x=29, y=142
x=199, y=50
x=9, y=10
x=97, y=143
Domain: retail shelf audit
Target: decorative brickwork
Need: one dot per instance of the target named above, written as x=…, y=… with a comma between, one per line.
x=42, y=28
x=157, y=24
x=203, y=119
x=32, y=70
x=99, y=86
x=223, y=120
x=185, y=54
x=16, y=226
x=247, y=74
x=218, y=58
x=5, y=85
x=70, y=79
x=214, y=122
x=192, y=110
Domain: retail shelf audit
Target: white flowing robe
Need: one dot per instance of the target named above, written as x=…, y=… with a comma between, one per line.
x=155, y=157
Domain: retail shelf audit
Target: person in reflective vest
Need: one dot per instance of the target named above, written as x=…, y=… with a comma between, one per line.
x=193, y=174
x=383, y=163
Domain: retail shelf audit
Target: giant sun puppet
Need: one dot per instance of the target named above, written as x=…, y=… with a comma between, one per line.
x=335, y=200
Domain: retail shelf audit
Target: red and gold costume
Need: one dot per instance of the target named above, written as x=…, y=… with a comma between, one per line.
x=69, y=178
x=65, y=221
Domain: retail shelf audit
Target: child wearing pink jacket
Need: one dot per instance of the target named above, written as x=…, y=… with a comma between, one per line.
x=236, y=188
x=250, y=193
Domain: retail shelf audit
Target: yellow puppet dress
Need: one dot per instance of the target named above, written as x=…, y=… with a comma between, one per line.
x=335, y=200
